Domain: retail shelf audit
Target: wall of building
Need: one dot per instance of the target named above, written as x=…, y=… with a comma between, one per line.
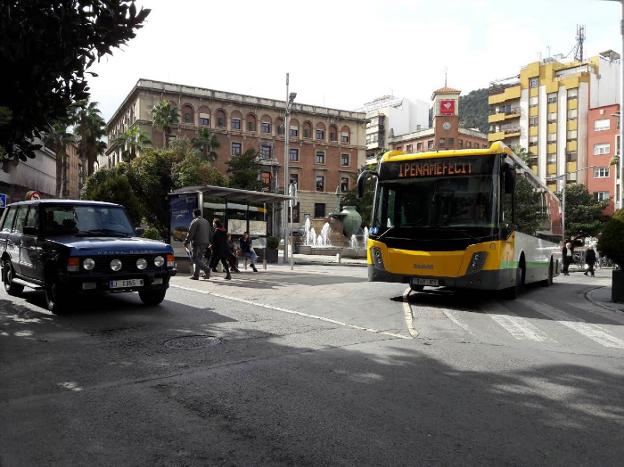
x=595, y=141
x=38, y=174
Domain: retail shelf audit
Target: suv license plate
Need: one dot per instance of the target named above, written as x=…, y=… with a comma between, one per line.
x=432, y=282
x=125, y=283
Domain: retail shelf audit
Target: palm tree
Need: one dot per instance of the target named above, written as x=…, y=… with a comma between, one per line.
x=131, y=141
x=90, y=128
x=206, y=144
x=57, y=138
x=164, y=115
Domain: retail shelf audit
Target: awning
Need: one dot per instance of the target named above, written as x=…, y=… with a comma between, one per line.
x=233, y=194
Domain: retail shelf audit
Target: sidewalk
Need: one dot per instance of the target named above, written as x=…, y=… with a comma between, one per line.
x=601, y=295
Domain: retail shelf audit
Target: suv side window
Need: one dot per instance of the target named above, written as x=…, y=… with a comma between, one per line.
x=8, y=220
x=20, y=219
x=33, y=217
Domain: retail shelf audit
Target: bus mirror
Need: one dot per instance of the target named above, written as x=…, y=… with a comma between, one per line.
x=364, y=175
x=510, y=179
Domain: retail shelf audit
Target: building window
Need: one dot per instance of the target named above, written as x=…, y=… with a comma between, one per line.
x=602, y=195
x=237, y=149
x=419, y=147
x=552, y=137
x=552, y=98
x=572, y=93
x=294, y=179
x=602, y=125
x=293, y=154
x=295, y=215
x=600, y=149
x=319, y=210
x=533, y=121
x=280, y=129
x=265, y=151
x=571, y=134
x=344, y=159
x=552, y=117
x=533, y=82
x=344, y=138
x=571, y=157
x=320, y=183
x=450, y=142
x=236, y=124
x=442, y=142
x=430, y=144
x=320, y=134
x=307, y=133
x=601, y=172
x=533, y=101
x=572, y=114
x=204, y=119
x=344, y=184
x=320, y=157
x=294, y=131
x=251, y=125
x=265, y=127
x=533, y=139
x=333, y=136
x=187, y=117
x=468, y=144
x=409, y=148
x=551, y=158
x=265, y=178
x=220, y=122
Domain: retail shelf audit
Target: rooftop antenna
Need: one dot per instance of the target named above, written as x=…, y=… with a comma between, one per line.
x=445, y=76
x=580, y=38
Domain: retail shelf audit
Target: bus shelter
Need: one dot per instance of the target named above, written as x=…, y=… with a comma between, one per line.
x=240, y=211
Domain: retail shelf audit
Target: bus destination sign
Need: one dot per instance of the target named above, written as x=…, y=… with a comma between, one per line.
x=443, y=167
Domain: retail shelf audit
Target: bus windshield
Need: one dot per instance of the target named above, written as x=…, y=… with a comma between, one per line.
x=461, y=202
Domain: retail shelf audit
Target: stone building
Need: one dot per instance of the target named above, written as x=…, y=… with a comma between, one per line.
x=326, y=147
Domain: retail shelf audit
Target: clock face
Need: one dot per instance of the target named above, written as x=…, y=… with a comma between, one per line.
x=446, y=125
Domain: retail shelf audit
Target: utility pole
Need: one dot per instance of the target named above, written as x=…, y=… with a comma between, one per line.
x=290, y=97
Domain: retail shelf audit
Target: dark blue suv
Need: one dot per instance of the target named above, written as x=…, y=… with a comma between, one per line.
x=64, y=247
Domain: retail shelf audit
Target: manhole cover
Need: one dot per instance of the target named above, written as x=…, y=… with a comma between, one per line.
x=197, y=341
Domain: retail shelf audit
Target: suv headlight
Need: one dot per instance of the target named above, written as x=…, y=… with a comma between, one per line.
x=115, y=265
x=141, y=263
x=88, y=264
x=159, y=261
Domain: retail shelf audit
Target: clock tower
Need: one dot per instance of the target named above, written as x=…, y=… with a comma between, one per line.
x=446, y=117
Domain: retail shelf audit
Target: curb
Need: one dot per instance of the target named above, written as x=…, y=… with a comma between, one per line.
x=588, y=296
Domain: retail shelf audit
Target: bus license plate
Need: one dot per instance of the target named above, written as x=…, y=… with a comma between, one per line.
x=431, y=282
x=125, y=283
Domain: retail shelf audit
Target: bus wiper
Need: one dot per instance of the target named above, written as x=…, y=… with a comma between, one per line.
x=106, y=232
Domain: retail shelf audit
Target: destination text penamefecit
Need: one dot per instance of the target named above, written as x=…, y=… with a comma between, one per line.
x=429, y=169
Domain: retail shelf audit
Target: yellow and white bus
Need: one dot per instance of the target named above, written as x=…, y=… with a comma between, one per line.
x=465, y=219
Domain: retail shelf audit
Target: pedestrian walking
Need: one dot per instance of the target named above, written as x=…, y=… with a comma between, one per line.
x=198, y=237
x=232, y=259
x=247, y=250
x=219, y=246
x=567, y=253
x=590, y=259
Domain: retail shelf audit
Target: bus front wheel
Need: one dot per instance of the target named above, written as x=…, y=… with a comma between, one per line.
x=512, y=292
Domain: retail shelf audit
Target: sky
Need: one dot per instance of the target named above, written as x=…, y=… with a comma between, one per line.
x=343, y=53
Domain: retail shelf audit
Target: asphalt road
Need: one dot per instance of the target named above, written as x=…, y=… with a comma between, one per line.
x=313, y=367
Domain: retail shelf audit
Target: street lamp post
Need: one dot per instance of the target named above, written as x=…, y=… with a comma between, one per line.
x=564, y=177
x=290, y=97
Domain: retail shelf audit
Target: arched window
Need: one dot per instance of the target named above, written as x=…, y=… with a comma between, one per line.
x=333, y=133
x=294, y=128
x=204, y=116
x=251, y=122
x=266, y=125
x=319, y=134
x=345, y=135
x=279, y=123
x=220, y=117
x=188, y=114
x=307, y=130
x=236, y=120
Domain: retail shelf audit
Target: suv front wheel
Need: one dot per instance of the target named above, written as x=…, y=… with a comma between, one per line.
x=8, y=275
x=152, y=297
x=56, y=300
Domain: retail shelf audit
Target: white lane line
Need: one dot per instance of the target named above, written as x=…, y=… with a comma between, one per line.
x=589, y=330
x=407, y=312
x=292, y=312
x=519, y=327
x=450, y=315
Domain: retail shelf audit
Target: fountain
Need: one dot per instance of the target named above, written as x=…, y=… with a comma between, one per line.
x=342, y=235
x=365, y=237
x=353, y=241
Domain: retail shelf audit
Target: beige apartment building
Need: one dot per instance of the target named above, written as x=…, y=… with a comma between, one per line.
x=326, y=146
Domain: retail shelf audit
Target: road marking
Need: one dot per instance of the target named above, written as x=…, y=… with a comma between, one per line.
x=589, y=330
x=407, y=312
x=519, y=327
x=457, y=321
x=292, y=312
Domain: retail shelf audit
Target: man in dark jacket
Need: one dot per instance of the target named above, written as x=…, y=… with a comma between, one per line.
x=590, y=259
x=247, y=250
x=220, y=248
x=199, y=238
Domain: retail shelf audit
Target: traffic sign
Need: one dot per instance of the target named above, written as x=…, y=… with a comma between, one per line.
x=3, y=200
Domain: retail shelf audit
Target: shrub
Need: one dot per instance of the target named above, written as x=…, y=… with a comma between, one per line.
x=611, y=242
x=273, y=242
x=152, y=233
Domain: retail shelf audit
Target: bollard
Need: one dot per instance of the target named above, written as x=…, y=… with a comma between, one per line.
x=338, y=257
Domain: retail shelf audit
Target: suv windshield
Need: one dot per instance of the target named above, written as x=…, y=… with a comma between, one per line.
x=85, y=220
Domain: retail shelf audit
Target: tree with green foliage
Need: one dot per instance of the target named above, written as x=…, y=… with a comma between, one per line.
x=46, y=46
x=611, y=241
x=583, y=213
x=164, y=116
x=530, y=216
x=90, y=129
x=57, y=138
x=244, y=170
x=114, y=186
x=474, y=109
x=193, y=171
x=131, y=142
x=206, y=144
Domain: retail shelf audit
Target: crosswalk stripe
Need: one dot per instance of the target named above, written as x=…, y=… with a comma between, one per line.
x=519, y=327
x=589, y=330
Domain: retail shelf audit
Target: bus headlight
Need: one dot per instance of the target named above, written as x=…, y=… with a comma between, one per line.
x=477, y=261
x=377, y=258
